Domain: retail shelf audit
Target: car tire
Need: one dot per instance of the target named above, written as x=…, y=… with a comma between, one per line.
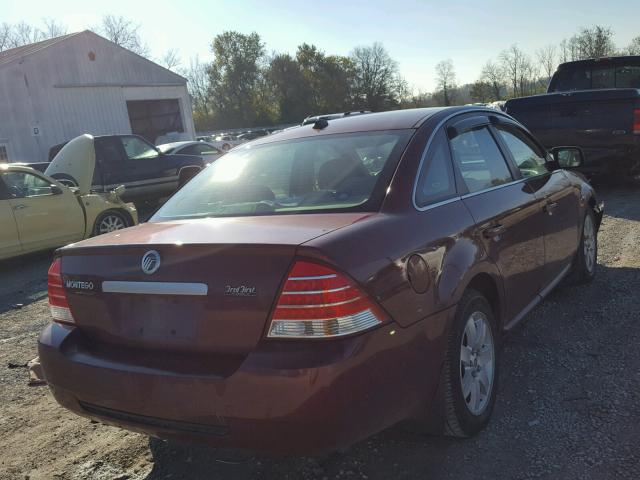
x=226, y=147
x=110, y=221
x=470, y=374
x=583, y=269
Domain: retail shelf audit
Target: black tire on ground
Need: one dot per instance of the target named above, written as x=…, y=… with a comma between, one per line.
x=460, y=421
x=582, y=270
x=115, y=218
x=226, y=147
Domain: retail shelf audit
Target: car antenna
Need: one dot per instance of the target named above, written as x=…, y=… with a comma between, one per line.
x=320, y=124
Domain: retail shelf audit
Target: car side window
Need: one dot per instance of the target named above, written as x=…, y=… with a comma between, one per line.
x=25, y=185
x=190, y=150
x=479, y=159
x=205, y=149
x=436, y=180
x=528, y=159
x=137, y=149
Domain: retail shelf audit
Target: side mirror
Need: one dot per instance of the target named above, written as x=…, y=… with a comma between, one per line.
x=56, y=190
x=567, y=157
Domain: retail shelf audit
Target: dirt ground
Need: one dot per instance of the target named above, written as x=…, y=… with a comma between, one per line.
x=568, y=404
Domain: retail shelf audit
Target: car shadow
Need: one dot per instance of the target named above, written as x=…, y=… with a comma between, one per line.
x=23, y=280
x=183, y=461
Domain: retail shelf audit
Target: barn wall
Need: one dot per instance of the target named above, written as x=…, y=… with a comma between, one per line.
x=79, y=85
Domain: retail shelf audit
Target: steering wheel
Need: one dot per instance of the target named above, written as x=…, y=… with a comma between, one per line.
x=16, y=191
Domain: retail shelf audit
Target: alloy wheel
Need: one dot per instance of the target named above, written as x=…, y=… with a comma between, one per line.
x=111, y=223
x=477, y=363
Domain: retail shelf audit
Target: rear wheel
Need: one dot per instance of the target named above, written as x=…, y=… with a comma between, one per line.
x=471, y=367
x=584, y=263
x=110, y=221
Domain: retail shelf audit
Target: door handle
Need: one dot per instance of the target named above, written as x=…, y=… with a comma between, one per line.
x=494, y=231
x=20, y=207
x=550, y=207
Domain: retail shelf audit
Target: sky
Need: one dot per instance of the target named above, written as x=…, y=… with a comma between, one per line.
x=417, y=34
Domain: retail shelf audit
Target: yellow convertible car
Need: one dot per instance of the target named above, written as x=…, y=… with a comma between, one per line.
x=38, y=212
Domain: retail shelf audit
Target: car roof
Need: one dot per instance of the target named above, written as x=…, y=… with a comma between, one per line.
x=602, y=61
x=391, y=120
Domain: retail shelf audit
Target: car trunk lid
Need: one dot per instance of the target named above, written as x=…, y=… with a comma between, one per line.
x=212, y=292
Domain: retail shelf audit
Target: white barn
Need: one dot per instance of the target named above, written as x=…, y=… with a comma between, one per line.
x=57, y=89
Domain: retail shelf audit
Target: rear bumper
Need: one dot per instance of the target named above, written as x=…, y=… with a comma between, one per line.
x=284, y=398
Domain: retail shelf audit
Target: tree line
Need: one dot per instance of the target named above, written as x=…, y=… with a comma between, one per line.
x=245, y=85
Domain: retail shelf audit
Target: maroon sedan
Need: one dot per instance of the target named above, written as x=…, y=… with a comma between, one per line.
x=316, y=286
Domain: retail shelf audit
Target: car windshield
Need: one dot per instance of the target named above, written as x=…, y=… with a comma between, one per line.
x=317, y=174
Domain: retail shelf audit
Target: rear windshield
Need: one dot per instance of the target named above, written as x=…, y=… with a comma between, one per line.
x=327, y=173
x=591, y=78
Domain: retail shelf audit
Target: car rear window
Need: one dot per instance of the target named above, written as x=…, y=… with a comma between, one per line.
x=314, y=174
x=588, y=78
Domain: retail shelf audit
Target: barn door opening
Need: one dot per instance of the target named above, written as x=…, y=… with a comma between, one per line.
x=154, y=118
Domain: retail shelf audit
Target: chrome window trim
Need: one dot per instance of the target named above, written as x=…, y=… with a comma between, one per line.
x=155, y=288
x=438, y=204
x=497, y=187
x=426, y=150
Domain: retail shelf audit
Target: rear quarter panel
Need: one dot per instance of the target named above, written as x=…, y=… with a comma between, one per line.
x=376, y=250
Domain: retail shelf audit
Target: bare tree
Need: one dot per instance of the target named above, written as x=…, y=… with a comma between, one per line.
x=590, y=42
x=515, y=63
x=6, y=32
x=123, y=32
x=634, y=46
x=547, y=59
x=23, y=34
x=494, y=75
x=197, y=75
x=171, y=59
x=446, y=80
x=53, y=28
x=378, y=84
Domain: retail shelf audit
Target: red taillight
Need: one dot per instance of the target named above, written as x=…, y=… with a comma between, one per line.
x=57, y=296
x=636, y=121
x=317, y=301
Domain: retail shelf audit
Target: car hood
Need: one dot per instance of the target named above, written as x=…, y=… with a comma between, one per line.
x=77, y=159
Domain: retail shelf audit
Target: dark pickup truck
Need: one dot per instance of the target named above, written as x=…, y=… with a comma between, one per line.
x=129, y=160
x=594, y=104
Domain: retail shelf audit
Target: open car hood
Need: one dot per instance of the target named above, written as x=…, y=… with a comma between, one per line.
x=76, y=161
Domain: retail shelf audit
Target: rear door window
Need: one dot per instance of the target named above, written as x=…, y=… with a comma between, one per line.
x=436, y=180
x=479, y=160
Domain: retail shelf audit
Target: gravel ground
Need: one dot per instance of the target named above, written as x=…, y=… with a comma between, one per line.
x=568, y=404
